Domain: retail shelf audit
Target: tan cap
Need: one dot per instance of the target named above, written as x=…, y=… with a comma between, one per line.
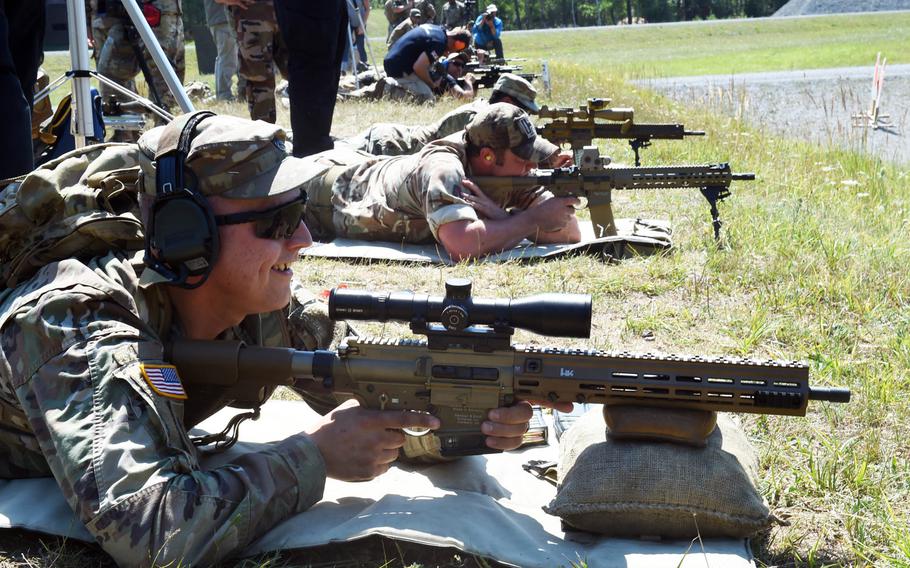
x=505, y=126
x=491, y=8
x=230, y=156
x=519, y=89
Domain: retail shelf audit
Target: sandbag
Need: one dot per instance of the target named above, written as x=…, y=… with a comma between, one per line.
x=658, y=489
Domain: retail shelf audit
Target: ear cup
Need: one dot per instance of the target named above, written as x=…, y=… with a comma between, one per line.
x=184, y=235
x=181, y=236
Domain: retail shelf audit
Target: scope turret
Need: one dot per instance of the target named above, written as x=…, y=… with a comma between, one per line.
x=558, y=315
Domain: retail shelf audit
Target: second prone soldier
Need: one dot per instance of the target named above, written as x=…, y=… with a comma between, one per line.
x=429, y=196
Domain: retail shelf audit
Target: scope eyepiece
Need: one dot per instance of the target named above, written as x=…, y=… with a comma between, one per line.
x=558, y=315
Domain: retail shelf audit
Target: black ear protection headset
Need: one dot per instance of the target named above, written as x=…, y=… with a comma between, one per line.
x=181, y=238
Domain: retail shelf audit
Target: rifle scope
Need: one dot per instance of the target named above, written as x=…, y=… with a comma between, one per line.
x=558, y=315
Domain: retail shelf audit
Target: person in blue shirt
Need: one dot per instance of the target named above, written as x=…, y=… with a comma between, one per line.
x=408, y=62
x=487, y=29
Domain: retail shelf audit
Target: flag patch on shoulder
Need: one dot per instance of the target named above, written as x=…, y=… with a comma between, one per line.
x=164, y=380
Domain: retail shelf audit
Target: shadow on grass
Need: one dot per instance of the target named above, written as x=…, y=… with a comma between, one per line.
x=26, y=548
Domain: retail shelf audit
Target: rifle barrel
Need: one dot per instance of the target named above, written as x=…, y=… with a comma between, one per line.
x=829, y=394
x=693, y=132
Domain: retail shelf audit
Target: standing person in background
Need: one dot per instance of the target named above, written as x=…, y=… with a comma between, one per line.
x=261, y=49
x=454, y=14
x=358, y=12
x=487, y=29
x=21, y=52
x=428, y=10
x=396, y=11
x=315, y=33
x=123, y=53
x=414, y=20
x=226, y=62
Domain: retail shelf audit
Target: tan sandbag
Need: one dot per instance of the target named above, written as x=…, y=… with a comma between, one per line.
x=680, y=425
x=658, y=489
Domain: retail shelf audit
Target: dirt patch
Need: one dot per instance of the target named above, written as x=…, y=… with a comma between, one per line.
x=814, y=105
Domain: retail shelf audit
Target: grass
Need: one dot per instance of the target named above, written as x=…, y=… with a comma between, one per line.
x=814, y=267
x=725, y=47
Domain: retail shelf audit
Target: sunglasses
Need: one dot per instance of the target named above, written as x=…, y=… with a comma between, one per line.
x=276, y=223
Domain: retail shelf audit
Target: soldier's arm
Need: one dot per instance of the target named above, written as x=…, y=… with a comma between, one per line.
x=118, y=449
x=422, y=69
x=547, y=223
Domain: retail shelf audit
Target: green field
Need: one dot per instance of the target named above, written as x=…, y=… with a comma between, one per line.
x=813, y=267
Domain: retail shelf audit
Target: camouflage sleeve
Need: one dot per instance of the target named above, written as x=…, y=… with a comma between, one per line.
x=119, y=451
x=440, y=180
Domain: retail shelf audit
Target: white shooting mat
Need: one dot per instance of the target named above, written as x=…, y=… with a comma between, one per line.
x=485, y=505
x=635, y=237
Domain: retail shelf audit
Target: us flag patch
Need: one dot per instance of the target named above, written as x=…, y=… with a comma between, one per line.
x=164, y=380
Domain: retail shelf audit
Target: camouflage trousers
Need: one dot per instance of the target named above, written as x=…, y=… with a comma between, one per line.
x=261, y=49
x=116, y=45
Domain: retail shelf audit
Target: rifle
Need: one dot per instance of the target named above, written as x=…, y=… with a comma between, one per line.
x=487, y=75
x=468, y=366
x=494, y=62
x=579, y=127
x=595, y=182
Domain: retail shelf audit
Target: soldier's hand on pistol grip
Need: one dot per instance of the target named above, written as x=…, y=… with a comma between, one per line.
x=358, y=444
x=554, y=213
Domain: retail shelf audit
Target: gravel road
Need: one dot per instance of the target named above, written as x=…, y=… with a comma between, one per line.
x=814, y=105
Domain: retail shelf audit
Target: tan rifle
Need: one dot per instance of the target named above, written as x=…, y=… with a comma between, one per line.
x=594, y=181
x=468, y=366
x=579, y=127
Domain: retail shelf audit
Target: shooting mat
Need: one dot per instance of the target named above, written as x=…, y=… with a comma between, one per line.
x=484, y=505
x=636, y=237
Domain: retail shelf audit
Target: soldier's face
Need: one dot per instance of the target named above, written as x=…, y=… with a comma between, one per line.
x=508, y=164
x=254, y=273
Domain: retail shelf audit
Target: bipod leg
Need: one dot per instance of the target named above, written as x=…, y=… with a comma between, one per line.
x=637, y=144
x=713, y=195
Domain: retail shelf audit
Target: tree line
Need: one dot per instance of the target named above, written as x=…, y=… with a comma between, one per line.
x=527, y=14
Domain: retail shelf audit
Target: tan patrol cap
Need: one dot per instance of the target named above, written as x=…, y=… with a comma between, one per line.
x=505, y=126
x=519, y=89
x=230, y=156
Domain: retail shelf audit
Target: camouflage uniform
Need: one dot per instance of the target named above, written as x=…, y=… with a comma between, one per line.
x=397, y=199
x=395, y=18
x=454, y=14
x=401, y=29
x=387, y=139
x=261, y=50
x=428, y=10
x=74, y=338
x=115, y=38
